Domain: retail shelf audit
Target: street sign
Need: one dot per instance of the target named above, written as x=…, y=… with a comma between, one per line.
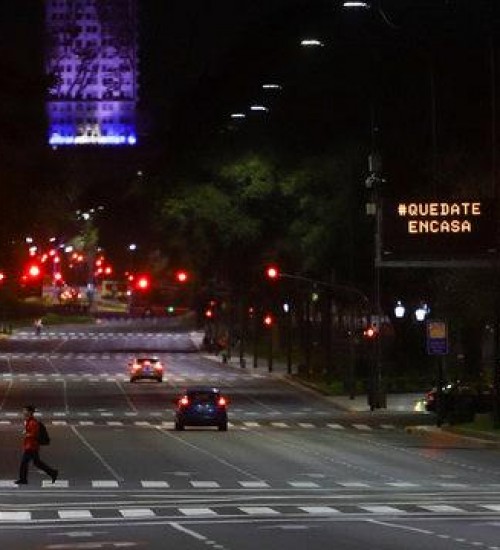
x=437, y=337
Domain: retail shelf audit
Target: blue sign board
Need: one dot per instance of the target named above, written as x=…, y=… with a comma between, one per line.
x=437, y=337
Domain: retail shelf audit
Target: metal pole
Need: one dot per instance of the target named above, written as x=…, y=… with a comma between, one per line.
x=270, y=350
x=289, y=342
x=439, y=393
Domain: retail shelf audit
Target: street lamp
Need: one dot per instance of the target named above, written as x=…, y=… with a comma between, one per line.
x=399, y=310
x=311, y=43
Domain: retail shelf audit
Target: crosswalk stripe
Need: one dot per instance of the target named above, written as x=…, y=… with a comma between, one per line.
x=204, y=484
x=336, y=426
x=442, y=508
x=258, y=510
x=107, y=483
x=137, y=513
x=353, y=484
x=59, y=484
x=197, y=511
x=15, y=516
x=155, y=484
x=74, y=514
x=251, y=424
x=388, y=426
x=319, y=510
x=306, y=425
x=362, y=427
x=253, y=484
x=303, y=484
x=492, y=507
x=383, y=510
x=402, y=484
x=279, y=424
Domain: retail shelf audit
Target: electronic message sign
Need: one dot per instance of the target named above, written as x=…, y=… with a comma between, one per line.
x=438, y=228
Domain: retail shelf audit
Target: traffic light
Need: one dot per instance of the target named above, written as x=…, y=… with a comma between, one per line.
x=181, y=276
x=209, y=314
x=170, y=310
x=2, y=277
x=142, y=282
x=34, y=271
x=272, y=272
x=268, y=320
x=370, y=333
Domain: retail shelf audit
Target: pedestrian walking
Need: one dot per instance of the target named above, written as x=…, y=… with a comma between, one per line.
x=38, y=326
x=31, y=447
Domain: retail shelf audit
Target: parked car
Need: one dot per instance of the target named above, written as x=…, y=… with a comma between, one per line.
x=461, y=399
x=201, y=406
x=146, y=367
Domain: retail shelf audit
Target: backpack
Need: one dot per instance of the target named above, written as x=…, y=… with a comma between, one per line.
x=43, y=434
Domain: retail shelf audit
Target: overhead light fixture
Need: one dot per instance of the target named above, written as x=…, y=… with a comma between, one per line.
x=356, y=4
x=311, y=43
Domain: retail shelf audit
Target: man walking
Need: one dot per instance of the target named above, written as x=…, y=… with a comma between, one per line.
x=31, y=447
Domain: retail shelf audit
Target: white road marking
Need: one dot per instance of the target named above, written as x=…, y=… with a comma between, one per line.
x=74, y=514
x=303, y=484
x=253, y=484
x=197, y=511
x=104, y=483
x=137, y=513
x=204, y=484
x=442, y=509
x=383, y=510
x=258, y=510
x=15, y=516
x=319, y=510
x=155, y=484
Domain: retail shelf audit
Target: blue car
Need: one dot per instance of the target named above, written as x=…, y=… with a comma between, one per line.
x=201, y=406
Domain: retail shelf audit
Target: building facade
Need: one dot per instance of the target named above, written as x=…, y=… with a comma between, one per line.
x=91, y=63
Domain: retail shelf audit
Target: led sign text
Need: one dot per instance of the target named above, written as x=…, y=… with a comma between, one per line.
x=439, y=217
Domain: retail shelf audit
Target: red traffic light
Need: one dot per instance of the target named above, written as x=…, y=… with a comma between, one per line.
x=34, y=271
x=142, y=282
x=181, y=276
x=209, y=314
x=370, y=332
x=268, y=320
x=272, y=272
x=2, y=276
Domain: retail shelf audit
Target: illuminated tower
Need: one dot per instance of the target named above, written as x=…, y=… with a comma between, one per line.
x=91, y=63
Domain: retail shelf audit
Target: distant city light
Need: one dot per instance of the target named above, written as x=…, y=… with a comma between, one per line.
x=238, y=115
x=356, y=4
x=271, y=87
x=311, y=43
x=260, y=108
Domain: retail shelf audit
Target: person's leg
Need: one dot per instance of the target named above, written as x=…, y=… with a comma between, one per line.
x=23, y=469
x=44, y=467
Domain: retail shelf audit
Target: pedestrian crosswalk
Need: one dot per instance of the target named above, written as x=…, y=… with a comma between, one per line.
x=157, y=419
x=90, y=335
x=134, y=512
x=338, y=486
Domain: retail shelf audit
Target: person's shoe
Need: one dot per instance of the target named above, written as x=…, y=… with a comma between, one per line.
x=21, y=482
x=54, y=476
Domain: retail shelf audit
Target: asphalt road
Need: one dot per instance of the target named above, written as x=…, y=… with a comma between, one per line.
x=291, y=472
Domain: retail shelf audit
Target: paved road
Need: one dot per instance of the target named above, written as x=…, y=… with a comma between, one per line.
x=292, y=470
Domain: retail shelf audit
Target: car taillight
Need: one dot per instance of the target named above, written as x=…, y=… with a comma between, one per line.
x=135, y=366
x=222, y=402
x=184, y=401
x=158, y=367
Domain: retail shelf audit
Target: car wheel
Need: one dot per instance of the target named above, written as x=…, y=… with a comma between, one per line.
x=179, y=426
x=132, y=380
x=159, y=380
x=223, y=427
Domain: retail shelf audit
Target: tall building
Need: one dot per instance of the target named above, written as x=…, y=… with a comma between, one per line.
x=91, y=63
